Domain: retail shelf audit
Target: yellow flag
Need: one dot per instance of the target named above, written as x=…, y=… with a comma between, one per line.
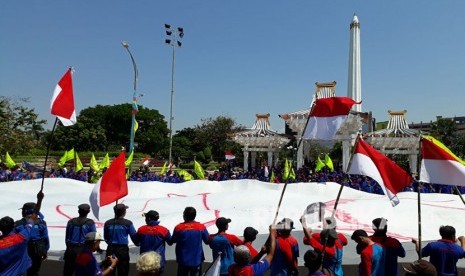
x=199, y=170
x=319, y=164
x=79, y=165
x=286, y=170
x=9, y=161
x=128, y=162
x=70, y=155
x=163, y=169
x=63, y=159
x=105, y=162
x=272, y=176
x=187, y=176
x=136, y=126
x=93, y=163
x=329, y=163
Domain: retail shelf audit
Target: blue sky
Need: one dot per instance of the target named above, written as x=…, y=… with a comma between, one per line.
x=239, y=58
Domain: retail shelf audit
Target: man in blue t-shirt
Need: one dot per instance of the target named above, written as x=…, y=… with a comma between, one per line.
x=444, y=253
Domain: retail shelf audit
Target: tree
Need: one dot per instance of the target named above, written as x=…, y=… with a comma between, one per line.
x=444, y=130
x=21, y=129
x=106, y=127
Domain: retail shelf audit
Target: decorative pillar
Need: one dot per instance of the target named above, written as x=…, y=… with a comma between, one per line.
x=300, y=156
x=246, y=160
x=254, y=159
x=270, y=157
x=413, y=162
x=346, y=150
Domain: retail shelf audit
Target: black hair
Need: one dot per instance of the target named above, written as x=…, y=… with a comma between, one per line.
x=189, y=213
x=447, y=232
x=312, y=260
x=6, y=225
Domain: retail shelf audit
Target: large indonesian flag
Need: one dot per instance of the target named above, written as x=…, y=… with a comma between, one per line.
x=62, y=104
x=111, y=187
x=439, y=165
x=327, y=116
x=370, y=162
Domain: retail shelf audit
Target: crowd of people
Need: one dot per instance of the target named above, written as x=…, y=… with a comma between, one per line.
x=24, y=245
x=273, y=174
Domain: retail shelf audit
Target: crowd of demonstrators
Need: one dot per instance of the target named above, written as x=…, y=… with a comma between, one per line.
x=304, y=174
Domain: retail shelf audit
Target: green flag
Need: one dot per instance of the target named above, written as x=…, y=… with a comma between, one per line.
x=319, y=164
x=286, y=170
x=163, y=169
x=105, y=162
x=187, y=176
x=329, y=163
x=93, y=163
x=128, y=162
x=272, y=176
x=79, y=165
x=199, y=170
x=70, y=155
x=292, y=174
x=9, y=163
x=63, y=159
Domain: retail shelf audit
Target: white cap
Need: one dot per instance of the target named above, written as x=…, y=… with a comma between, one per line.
x=94, y=236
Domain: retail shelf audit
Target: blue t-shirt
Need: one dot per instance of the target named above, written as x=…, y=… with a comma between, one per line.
x=444, y=255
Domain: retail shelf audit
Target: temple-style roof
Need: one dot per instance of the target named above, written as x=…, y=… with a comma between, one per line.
x=261, y=134
x=397, y=137
x=397, y=126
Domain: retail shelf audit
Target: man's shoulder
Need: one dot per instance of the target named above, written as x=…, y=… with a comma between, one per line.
x=190, y=226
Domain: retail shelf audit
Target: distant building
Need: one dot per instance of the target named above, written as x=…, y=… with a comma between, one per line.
x=426, y=126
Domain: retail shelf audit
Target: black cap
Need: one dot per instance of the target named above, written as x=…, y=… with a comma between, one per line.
x=28, y=205
x=359, y=233
x=250, y=233
x=152, y=215
x=28, y=208
x=120, y=207
x=222, y=222
x=84, y=207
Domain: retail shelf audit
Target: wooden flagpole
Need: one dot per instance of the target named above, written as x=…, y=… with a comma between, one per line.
x=47, y=153
x=298, y=146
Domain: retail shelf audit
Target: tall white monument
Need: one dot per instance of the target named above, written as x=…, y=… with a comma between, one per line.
x=354, y=84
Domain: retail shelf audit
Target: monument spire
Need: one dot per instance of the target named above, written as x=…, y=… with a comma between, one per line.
x=354, y=84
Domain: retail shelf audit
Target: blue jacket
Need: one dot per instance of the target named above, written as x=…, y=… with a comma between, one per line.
x=14, y=260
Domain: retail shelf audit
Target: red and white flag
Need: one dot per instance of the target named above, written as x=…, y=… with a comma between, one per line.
x=170, y=166
x=370, y=162
x=327, y=116
x=439, y=165
x=146, y=161
x=111, y=186
x=62, y=104
x=228, y=155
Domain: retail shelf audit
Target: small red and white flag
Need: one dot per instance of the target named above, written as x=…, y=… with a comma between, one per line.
x=439, y=165
x=370, y=162
x=111, y=186
x=62, y=104
x=327, y=116
x=146, y=161
x=228, y=155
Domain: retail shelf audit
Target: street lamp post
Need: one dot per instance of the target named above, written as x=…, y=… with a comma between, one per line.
x=174, y=36
x=135, y=109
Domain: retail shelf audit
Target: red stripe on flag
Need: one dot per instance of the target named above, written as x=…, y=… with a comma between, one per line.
x=395, y=178
x=114, y=184
x=430, y=150
x=333, y=106
x=63, y=105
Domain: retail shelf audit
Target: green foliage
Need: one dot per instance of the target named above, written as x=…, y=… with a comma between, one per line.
x=200, y=156
x=107, y=128
x=444, y=130
x=20, y=127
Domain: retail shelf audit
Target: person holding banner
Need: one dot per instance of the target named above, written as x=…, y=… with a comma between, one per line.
x=287, y=250
x=444, y=253
x=392, y=247
x=39, y=243
x=324, y=242
x=242, y=259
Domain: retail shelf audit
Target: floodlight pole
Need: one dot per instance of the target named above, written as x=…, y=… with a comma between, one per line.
x=174, y=41
x=134, y=98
